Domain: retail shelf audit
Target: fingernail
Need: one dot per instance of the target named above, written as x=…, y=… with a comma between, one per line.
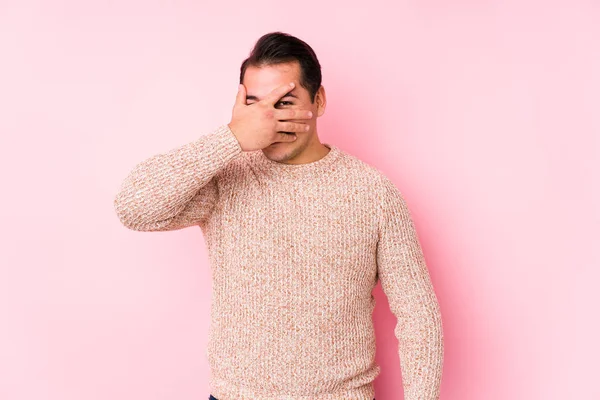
x=292, y=84
x=310, y=114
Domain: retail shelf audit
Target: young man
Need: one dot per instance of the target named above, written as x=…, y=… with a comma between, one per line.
x=298, y=234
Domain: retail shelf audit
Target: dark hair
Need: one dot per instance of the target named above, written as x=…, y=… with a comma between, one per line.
x=278, y=48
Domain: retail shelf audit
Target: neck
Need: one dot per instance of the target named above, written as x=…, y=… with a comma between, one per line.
x=319, y=162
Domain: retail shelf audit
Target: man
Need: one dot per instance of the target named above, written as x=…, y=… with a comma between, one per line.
x=298, y=234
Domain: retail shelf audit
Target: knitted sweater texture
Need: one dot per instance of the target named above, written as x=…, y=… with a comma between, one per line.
x=295, y=252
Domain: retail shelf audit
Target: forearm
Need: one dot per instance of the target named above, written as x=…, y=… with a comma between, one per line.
x=160, y=187
x=421, y=349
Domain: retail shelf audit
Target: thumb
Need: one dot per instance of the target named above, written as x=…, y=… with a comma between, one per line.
x=241, y=95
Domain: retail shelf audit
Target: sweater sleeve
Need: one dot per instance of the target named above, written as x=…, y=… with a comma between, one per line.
x=406, y=283
x=176, y=189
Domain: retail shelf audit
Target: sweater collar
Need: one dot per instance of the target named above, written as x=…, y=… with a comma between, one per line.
x=279, y=169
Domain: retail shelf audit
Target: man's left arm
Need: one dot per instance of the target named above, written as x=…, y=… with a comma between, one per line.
x=406, y=283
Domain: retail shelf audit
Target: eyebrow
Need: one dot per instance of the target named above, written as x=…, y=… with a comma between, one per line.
x=288, y=94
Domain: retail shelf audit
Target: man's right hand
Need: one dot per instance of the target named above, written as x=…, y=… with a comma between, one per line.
x=260, y=124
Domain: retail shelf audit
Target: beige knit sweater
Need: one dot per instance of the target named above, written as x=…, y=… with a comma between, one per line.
x=295, y=252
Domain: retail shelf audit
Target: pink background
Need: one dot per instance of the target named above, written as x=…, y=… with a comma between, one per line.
x=484, y=113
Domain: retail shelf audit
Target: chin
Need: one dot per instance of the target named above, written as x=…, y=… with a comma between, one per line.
x=278, y=152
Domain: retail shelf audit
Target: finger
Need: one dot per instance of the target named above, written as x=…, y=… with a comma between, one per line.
x=278, y=93
x=240, y=98
x=286, y=126
x=282, y=114
x=287, y=137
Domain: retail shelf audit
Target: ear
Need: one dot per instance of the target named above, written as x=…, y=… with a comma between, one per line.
x=321, y=101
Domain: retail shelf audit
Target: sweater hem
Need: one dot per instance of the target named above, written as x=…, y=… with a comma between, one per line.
x=223, y=390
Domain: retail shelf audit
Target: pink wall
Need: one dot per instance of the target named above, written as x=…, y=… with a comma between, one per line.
x=484, y=113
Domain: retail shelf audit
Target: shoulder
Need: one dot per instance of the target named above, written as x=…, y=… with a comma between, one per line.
x=355, y=166
x=377, y=180
x=387, y=202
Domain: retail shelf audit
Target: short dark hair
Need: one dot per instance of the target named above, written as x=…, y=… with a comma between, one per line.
x=278, y=48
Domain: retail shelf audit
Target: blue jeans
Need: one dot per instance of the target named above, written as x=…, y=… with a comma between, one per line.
x=214, y=398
